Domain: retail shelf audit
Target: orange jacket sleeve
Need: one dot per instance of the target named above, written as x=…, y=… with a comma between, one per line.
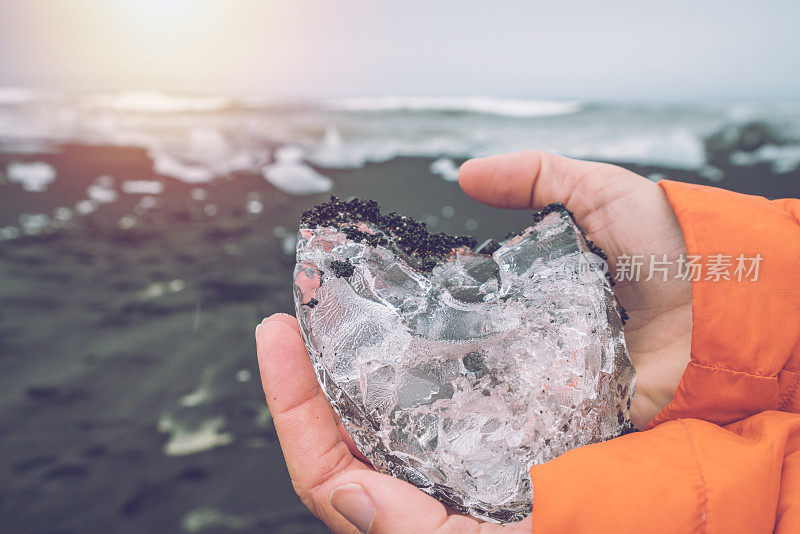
x=724, y=455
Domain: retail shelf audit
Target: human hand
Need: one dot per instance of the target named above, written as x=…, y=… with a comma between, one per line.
x=624, y=214
x=328, y=473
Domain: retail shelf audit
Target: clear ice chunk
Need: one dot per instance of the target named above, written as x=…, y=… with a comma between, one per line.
x=458, y=376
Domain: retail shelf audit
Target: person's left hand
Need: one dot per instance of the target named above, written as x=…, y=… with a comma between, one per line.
x=328, y=473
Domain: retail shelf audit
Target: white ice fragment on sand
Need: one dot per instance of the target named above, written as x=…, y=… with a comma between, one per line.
x=102, y=190
x=127, y=222
x=711, y=173
x=208, y=518
x=146, y=203
x=142, y=187
x=158, y=290
x=184, y=440
x=743, y=159
x=263, y=418
x=288, y=244
x=153, y=291
x=202, y=393
x=105, y=180
x=8, y=233
x=243, y=375
x=430, y=219
x=101, y=195
x=176, y=285
x=33, y=176
x=291, y=175
x=62, y=215
x=195, y=398
x=206, y=153
x=446, y=168
x=459, y=379
x=166, y=164
x=85, y=207
x=34, y=223
x=783, y=159
x=232, y=249
x=254, y=206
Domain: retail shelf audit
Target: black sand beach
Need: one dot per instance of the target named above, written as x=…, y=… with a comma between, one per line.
x=129, y=390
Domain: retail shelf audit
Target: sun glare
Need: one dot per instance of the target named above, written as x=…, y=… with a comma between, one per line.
x=155, y=11
x=177, y=45
x=155, y=14
x=158, y=44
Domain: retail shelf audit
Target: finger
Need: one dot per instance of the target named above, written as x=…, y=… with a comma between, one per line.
x=379, y=504
x=604, y=198
x=304, y=420
x=521, y=179
x=533, y=179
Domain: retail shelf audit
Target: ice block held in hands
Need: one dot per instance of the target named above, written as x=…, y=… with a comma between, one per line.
x=456, y=369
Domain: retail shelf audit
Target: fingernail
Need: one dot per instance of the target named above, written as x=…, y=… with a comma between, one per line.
x=354, y=504
x=261, y=324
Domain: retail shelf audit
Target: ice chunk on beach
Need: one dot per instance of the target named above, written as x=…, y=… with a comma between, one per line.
x=34, y=176
x=143, y=187
x=102, y=190
x=204, y=154
x=290, y=174
x=446, y=168
x=456, y=370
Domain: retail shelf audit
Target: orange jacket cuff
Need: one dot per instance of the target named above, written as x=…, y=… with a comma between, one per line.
x=745, y=355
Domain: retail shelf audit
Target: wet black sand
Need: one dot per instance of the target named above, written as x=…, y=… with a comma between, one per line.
x=116, y=344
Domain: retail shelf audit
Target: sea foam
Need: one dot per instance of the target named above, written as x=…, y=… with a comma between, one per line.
x=199, y=138
x=508, y=107
x=157, y=102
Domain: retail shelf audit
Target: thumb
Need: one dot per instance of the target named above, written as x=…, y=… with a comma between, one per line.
x=379, y=504
x=533, y=179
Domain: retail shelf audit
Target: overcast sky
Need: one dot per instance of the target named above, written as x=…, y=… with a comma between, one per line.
x=678, y=50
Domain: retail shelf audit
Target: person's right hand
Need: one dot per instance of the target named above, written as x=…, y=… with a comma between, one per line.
x=624, y=214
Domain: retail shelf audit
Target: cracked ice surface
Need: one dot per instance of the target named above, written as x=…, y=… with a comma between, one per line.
x=460, y=379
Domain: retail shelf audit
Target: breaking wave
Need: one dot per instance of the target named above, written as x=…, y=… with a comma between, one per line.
x=156, y=102
x=507, y=107
x=198, y=138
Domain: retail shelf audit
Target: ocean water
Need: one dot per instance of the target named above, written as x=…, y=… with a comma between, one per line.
x=198, y=138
